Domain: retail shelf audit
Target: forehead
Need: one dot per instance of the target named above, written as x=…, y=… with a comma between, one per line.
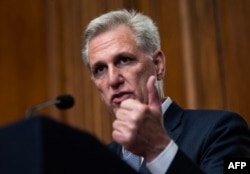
x=113, y=41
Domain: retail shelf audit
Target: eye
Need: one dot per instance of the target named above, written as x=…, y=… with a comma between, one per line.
x=125, y=60
x=99, y=70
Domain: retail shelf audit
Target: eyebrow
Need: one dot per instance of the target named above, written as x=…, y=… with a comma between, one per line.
x=119, y=55
x=124, y=54
x=95, y=65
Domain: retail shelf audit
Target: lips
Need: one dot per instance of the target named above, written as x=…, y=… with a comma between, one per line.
x=118, y=98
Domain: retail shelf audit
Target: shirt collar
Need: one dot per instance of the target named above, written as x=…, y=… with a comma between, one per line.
x=165, y=105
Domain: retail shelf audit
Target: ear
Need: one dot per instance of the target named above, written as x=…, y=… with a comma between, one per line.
x=159, y=62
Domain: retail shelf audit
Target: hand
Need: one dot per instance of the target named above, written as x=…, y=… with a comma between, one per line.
x=139, y=127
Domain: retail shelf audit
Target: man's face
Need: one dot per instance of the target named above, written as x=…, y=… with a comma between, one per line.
x=119, y=68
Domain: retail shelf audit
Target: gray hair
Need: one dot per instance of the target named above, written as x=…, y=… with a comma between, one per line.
x=145, y=32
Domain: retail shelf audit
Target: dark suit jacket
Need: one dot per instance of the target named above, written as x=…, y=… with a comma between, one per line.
x=204, y=137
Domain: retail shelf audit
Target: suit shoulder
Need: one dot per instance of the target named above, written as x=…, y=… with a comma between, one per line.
x=213, y=115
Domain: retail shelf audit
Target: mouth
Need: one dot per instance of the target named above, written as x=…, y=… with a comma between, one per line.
x=119, y=97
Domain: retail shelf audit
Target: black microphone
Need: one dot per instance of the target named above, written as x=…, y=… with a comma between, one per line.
x=63, y=102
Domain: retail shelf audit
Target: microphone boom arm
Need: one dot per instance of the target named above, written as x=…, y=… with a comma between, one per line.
x=38, y=107
x=65, y=101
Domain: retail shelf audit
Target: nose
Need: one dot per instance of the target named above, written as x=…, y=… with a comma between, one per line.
x=115, y=77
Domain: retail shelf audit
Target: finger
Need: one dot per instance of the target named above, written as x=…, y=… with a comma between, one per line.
x=129, y=104
x=121, y=114
x=153, y=95
x=121, y=132
x=125, y=109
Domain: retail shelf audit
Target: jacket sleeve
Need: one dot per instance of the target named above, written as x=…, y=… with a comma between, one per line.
x=182, y=164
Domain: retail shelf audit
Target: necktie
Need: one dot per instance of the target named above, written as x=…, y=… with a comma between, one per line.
x=131, y=159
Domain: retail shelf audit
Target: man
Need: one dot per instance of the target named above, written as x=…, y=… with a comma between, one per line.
x=122, y=51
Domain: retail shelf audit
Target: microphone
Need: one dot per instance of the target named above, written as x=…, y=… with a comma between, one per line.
x=63, y=102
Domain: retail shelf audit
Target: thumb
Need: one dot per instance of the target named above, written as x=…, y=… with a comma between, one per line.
x=153, y=95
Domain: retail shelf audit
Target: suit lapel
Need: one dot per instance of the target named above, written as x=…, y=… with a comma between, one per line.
x=172, y=121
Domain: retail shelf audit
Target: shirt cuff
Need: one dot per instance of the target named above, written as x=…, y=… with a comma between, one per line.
x=161, y=163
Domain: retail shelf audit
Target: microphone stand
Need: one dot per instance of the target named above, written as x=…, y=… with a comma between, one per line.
x=38, y=107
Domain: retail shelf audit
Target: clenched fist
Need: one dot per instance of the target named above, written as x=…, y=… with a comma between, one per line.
x=138, y=127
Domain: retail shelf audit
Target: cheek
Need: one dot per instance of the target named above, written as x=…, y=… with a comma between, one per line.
x=144, y=74
x=139, y=83
x=102, y=90
x=100, y=85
